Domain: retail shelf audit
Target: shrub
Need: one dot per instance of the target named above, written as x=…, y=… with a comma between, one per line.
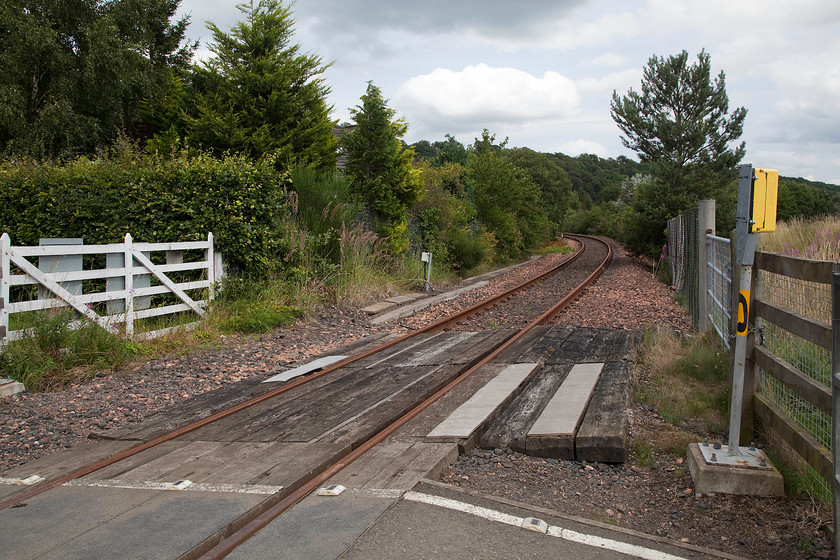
x=242, y=202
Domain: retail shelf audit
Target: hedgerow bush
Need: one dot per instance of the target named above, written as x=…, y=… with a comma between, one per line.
x=181, y=198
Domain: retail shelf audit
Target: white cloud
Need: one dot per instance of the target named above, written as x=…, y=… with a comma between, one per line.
x=577, y=147
x=483, y=95
x=609, y=59
x=618, y=81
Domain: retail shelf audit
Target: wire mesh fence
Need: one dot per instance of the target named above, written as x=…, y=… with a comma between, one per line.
x=719, y=282
x=812, y=300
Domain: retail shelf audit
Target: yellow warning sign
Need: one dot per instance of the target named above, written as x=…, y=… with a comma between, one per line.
x=743, y=312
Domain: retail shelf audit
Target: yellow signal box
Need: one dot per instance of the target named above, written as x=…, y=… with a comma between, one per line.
x=764, y=198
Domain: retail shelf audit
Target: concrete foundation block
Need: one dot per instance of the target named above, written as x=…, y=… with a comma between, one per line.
x=725, y=479
x=10, y=387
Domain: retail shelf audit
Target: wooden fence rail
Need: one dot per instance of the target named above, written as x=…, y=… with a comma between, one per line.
x=767, y=308
x=123, y=276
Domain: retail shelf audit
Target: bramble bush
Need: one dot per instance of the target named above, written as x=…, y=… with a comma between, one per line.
x=182, y=198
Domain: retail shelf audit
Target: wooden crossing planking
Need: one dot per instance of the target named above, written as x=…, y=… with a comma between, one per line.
x=227, y=457
x=208, y=403
x=116, y=470
x=470, y=415
x=434, y=457
x=482, y=345
x=415, y=348
x=399, y=404
x=328, y=417
x=294, y=404
x=307, y=460
x=575, y=348
x=364, y=469
x=165, y=467
x=548, y=345
x=67, y=460
x=602, y=436
x=552, y=435
x=397, y=465
x=510, y=429
x=512, y=353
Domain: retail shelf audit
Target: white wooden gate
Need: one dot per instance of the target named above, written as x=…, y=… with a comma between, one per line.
x=126, y=302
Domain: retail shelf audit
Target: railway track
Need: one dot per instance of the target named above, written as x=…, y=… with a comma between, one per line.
x=340, y=413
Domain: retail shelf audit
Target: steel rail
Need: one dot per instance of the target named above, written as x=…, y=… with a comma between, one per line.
x=20, y=497
x=227, y=544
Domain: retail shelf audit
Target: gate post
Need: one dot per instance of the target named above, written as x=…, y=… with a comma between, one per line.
x=705, y=225
x=835, y=398
x=5, y=272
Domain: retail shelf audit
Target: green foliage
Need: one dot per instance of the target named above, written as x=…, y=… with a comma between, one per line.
x=507, y=200
x=380, y=167
x=596, y=180
x=323, y=209
x=555, y=186
x=241, y=201
x=605, y=219
x=260, y=95
x=680, y=124
x=72, y=74
x=799, y=199
x=54, y=354
x=443, y=215
x=468, y=251
x=249, y=307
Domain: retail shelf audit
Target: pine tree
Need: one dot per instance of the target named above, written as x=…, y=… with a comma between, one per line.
x=380, y=166
x=260, y=94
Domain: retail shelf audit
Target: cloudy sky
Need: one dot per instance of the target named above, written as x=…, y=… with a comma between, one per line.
x=542, y=72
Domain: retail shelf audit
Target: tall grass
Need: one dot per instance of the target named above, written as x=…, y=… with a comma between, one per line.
x=54, y=353
x=816, y=239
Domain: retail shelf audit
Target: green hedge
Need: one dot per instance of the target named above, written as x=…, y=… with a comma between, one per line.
x=180, y=199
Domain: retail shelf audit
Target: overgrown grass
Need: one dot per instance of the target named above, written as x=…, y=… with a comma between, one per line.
x=557, y=246
x=54, y=354
x=685, y=382
x=817, y=239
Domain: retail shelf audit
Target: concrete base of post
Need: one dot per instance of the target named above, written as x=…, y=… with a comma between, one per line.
x=713, y=478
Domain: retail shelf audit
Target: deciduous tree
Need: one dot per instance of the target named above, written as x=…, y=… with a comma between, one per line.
x=72, y=72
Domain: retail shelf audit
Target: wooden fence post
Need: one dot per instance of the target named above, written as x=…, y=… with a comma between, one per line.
x=5, y=273
x=835, y=398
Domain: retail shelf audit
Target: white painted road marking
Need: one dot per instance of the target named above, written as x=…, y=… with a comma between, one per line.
x=565, y=534
x=194, y=487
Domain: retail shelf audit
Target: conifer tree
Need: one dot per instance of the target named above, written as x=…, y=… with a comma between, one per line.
x=260, y=94
x=380, y=166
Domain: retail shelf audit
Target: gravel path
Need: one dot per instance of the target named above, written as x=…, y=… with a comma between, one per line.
x=657, y=499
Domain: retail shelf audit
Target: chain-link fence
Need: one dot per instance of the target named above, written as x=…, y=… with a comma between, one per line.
x=683, y=254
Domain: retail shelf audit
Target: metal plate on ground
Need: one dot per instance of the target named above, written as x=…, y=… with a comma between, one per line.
x=749, y=458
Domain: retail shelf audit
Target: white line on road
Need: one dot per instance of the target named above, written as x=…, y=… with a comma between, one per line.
x=559, y=532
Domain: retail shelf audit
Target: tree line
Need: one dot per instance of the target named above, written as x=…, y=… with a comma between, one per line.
x=99, y=91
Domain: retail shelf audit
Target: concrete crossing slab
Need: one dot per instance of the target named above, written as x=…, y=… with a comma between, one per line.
x=314, y=365
x=564, y=412
x=470, y=415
